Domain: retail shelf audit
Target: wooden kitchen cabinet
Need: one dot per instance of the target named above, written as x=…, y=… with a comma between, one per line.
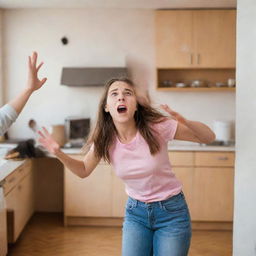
x=102, y=194
x=19, y=200
x=195, y=38
x=214, y=38
x=213, y=194
x=88, y=197
x=208, y=183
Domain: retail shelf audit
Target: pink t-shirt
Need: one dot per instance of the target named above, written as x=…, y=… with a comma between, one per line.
x=147, y=177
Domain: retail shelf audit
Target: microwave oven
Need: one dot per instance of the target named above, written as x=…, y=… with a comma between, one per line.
x=76, y=129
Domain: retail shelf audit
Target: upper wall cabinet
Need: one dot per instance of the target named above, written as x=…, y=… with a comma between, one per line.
x=195, y=38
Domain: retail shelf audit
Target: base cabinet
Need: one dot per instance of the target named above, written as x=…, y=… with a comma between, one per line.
x=20, y=203
x=102, y=194
x=207, y=178
x=208, y=183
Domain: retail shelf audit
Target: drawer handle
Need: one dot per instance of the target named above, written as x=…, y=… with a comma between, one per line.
x=223, y=158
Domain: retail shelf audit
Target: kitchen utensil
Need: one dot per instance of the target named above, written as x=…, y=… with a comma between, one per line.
x=181, y=85
x=197, y=83
x=220, y=84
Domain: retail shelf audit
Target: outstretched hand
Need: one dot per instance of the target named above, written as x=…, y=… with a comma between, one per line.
x=175, y=115
x=47, y=141
x=34, y=83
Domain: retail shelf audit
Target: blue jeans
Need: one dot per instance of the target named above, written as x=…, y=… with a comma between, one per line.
x=160, y=228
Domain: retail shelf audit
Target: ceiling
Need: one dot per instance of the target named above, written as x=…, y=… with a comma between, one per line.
x=137, y=4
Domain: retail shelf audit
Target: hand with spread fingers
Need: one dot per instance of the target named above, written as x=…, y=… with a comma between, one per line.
x=174, y=114
x=48, y=142
x=34, y=83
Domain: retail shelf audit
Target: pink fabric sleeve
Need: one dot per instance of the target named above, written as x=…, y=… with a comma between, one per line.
x=167, y=129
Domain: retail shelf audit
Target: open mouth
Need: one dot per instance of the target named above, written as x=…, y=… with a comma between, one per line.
x=121, y=109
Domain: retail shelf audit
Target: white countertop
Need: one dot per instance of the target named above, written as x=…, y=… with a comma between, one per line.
x=7, y=167
x=174, y=146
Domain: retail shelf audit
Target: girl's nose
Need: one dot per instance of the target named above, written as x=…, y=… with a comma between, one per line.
x=121, y=98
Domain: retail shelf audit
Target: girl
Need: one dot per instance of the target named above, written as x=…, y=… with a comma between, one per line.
x=133, y=137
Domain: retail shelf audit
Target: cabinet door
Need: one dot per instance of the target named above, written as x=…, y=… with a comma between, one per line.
x=20, y=206
x=90, y=196
x=214, y=34
x=3, y=233
x=174, y=39
x=213, y=194
x=186, y=176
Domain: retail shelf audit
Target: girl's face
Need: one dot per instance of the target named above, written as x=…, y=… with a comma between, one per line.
x=121, y=102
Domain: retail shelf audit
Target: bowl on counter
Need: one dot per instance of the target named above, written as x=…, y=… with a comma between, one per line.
x=181, y=85
x=198, y=83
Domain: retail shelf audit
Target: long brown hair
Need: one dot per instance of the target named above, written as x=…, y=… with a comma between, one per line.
x=104, y=132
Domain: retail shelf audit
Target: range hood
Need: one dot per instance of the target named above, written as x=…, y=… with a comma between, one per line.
x=95, y=76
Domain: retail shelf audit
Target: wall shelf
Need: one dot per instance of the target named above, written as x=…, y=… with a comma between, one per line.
x=196, y=89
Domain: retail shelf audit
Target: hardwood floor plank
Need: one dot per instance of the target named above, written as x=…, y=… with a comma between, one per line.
x=45, y=235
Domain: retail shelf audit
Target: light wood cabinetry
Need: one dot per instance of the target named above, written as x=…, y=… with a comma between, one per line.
x=195, y=38
x=207, y=177
x=191, y=40
x=208, y=183
x=18, y=190
x=3, y=233
x=99, y=195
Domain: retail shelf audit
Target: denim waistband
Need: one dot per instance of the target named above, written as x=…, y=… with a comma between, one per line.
x=157, y=203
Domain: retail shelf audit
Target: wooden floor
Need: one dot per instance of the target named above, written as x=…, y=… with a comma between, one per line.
x=45, y=235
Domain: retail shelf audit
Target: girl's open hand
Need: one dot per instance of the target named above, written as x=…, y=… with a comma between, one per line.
x=175, y=115
x=48, y=142
x=34, y=83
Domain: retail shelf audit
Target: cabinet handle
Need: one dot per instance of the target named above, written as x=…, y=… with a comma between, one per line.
x=223, y=158
x=191, y=58
x=198, y=59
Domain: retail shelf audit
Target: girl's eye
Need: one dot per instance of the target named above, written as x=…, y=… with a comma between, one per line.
x=128, y=93
x=113, y=94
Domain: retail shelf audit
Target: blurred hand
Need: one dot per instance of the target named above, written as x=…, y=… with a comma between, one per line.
x=175, y=115
x=34, y=83
x=48, y=142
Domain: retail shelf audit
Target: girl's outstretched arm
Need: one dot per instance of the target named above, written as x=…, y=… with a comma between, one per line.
x=78, y=167
x=190, y=130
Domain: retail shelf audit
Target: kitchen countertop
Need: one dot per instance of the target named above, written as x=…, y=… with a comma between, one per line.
x=174, y=146
x=8, y=166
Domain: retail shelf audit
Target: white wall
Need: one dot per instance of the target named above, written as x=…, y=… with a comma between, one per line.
x=244, y=242
x=97, y=37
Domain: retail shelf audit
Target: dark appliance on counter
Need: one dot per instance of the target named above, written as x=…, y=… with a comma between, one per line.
x=77, y=129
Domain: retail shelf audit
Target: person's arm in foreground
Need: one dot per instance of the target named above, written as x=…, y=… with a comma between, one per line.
x=10, y=112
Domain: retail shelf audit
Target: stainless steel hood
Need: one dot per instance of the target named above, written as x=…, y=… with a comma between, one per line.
x=96, y=76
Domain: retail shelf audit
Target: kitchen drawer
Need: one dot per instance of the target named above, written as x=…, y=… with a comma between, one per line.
x=10, y=182
x=223, y=159
x=181, y=158
x=24, y=169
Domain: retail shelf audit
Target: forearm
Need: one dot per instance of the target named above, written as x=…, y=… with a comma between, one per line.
x=201, y=131
x=19, y=102
x=76, y=166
